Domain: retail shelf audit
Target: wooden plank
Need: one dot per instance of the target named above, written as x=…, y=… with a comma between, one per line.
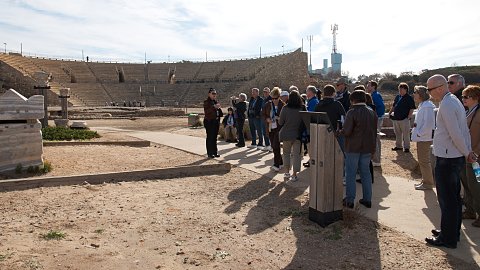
x=338, y=183
x=321, y=168
x=329, y=170
x=313, y=166
x=326, y=183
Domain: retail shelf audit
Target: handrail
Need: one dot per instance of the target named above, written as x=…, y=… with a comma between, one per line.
x=100, y=59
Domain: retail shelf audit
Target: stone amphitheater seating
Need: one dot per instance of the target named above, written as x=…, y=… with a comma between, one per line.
x=95, y=84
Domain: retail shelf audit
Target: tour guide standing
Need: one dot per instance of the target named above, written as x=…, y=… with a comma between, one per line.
x=451, y=145
x=211, y=122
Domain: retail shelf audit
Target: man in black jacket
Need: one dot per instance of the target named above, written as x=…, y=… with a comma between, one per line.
x=456, y=84
x=400, y=114
x=254, y=119
x=334, y=110
x=211, y=122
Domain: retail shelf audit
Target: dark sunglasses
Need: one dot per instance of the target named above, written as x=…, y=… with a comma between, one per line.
x=430, y=89
x=466, y=97
x=450, y=82
x=275, y=98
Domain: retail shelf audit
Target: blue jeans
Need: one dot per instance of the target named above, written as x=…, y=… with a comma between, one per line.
x=256, y=128
x=358, y=162
x=264, y=133
x=447, y=180
x=341, y=142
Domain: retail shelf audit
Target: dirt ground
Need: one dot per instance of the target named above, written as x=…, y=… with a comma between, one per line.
x=240, y=220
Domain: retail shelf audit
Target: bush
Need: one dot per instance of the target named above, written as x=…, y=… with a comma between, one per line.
x=47, y=167
x=53, y=235
x=67, y=134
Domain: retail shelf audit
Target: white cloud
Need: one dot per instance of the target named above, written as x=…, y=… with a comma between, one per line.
x=374, y=36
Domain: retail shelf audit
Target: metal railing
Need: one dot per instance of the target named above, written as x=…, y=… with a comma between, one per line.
x=101, y=59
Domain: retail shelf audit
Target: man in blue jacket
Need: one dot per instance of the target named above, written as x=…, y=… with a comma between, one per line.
x=312, y=102
x=254, y=119
x=380, y=110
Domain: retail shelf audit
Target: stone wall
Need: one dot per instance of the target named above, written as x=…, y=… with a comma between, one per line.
x=13, y=78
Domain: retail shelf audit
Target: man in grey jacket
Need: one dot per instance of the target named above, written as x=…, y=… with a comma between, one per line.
x=451, y=146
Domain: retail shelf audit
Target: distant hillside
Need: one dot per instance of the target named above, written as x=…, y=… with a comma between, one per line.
x=470, y=73
x=390, y=82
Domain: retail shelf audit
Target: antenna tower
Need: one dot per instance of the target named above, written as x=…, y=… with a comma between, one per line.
x=310, y=38
x=334, y=29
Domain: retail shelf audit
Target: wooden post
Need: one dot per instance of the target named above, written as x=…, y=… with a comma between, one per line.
x=326, y=182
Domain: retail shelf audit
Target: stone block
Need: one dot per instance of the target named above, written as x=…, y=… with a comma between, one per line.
x=20, y=131
x=194, y=120
x=61, y=122
x=79, y=124
x=14, y=106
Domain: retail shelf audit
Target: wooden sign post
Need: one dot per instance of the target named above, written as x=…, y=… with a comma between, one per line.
x=326, y=167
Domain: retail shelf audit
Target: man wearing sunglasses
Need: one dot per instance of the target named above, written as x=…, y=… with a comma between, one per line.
x=451, y=147
x=211, y=122
x=456, y=84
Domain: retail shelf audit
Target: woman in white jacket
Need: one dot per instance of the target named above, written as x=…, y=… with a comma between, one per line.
x=422, y=133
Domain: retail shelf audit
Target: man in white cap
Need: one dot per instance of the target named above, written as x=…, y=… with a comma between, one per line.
x=284, y=96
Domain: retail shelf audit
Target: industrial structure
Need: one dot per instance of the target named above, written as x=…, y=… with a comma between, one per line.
x=335, y=58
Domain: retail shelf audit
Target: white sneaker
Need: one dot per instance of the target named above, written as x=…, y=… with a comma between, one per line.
x=260, y=147
x=293, y=178
x=252, y=146
x=375, y=164
x=286, y=175
x=275, y=168
x=269, y=148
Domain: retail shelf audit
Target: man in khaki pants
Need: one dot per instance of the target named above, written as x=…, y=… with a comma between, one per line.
x=401, y=113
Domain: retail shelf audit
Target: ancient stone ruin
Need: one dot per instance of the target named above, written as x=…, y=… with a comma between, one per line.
x=20, y=130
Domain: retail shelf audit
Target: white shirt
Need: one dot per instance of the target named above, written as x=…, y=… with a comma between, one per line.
x=452, y=138
x=424, y=122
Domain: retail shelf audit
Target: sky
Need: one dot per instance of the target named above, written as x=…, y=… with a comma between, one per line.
x=373, y=36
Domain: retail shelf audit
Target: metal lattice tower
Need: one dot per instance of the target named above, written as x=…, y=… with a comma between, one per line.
x=334, y=29
x=310, y=38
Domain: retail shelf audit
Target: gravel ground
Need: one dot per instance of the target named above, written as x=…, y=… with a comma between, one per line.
x=240, y=220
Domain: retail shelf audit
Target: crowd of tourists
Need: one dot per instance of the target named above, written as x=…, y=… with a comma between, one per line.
x=452, y=131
